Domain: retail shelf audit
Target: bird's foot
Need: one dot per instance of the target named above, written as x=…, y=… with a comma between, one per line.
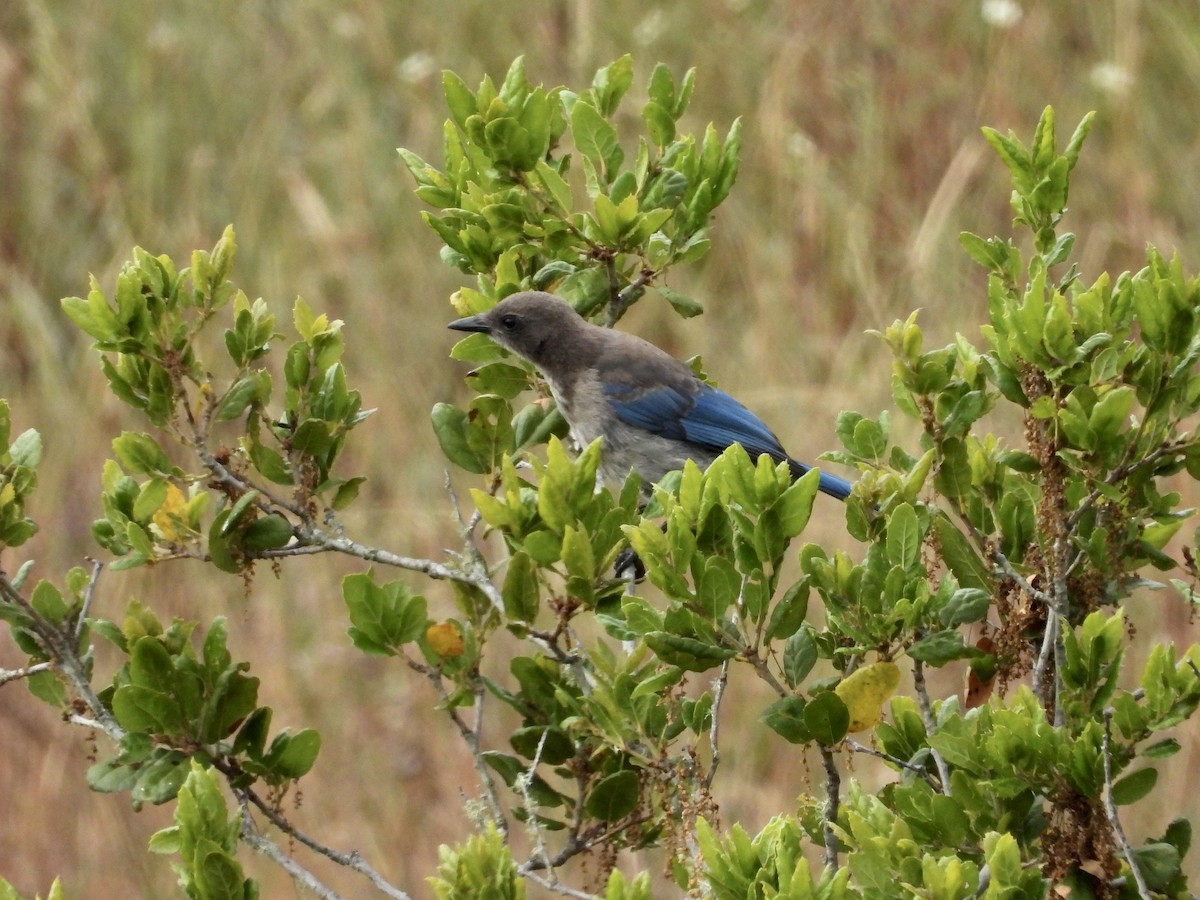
x=629, y=566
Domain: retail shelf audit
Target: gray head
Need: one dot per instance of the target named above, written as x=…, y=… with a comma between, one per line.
x=535, y=325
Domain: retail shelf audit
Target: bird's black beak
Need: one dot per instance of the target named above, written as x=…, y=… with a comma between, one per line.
x=471, y=323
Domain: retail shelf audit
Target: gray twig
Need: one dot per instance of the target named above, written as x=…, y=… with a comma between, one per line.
x=268, y=848
x=713, y=734
x=7, y=675
x=833, y=787
x=930, y=723
x=1110, y=808
x=351, y=860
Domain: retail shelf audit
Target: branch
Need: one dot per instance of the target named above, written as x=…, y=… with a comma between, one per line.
x=470, y=736
x=62, y=648
x=267, y=848
x=1125, y=469
x=554, y=885
x=930, y=723
x=590, y=839
x=269, y=504
x=88, y=596
x=750, y=655
x=833, y=786
x=1006, y=568
x=316, y=540
x=894, y=760
x=350, y=860
x=7, y=675
x=625, y=299
x=718, y=692
x=1110, y=808
x=1049, y=639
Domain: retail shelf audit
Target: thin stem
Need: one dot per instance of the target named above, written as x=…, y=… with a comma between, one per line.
x=7, y=675
x=270, y=503
x=930, y=723
x=1006, y=568
x=894, y=760
x=318, y=541
x=625, y=298
x=1110, y=808
x=555, y=885
x=470, y=735
x=1049, y=639
x=833, y=786
x=750, y=655
x=350, y=860
x=524, y=783
x=269, y=849
x=88, y=596
x=719, y=684
x=64, y=656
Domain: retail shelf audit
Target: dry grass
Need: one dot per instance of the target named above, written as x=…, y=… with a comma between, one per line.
x=158, y=123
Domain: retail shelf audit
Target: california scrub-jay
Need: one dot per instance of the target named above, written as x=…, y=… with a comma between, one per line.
x=651, y=410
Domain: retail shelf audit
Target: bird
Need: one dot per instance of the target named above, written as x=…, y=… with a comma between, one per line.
x=651, y=410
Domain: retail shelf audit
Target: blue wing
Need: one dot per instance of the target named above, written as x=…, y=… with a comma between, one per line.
x=708, y=418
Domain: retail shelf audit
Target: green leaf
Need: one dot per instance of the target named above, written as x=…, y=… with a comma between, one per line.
x=382, y=617
x=140, y=453
x=827, y=718
x=111, y=777
x=450, y=427
x=612, y=82
x=241, y=394
x=786, y=718
x=299, y=754
x=965, y=605
x=267, y=533
x=347, y=492
x=1134, y=786
x=217, y=873
x=26, y=450
x=958, y=554
x=718, y=587
x=555, y=746
x=1158, y=863
x=687, y=653
x=555, y=185
x=460, y=99
x=150, y=498
x=48, y=602
x=48, y=688
x=520, y=591
x=903, y=537
x=790, y=612
x=941, y=647
x=595, y=137
x=614, y=797
x=799, y=656
x=659, y=123
x=796, y=503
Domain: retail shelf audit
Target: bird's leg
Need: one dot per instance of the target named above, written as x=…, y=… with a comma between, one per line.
x=629, y=565
x=629, y=562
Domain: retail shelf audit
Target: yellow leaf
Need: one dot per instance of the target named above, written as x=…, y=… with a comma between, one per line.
x=865, y=691
x=171, y=520
x=445, y=639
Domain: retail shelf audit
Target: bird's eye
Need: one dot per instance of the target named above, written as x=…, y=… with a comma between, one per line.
x=509, y=322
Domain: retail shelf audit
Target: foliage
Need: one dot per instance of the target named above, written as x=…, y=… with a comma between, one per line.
x=1032, y=550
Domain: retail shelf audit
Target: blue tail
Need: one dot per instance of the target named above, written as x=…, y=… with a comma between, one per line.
x=829, y=484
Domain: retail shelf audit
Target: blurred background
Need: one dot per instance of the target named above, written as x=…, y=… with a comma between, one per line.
x=157, y=122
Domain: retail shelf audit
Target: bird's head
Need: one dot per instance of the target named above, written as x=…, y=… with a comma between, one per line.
x=534, y=325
